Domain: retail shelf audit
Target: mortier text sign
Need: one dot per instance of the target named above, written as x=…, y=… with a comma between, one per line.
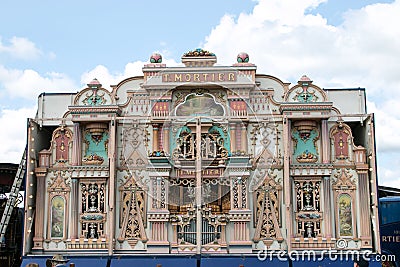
x=200, y=77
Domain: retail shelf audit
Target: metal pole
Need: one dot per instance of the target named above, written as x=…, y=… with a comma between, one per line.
x=198, y=186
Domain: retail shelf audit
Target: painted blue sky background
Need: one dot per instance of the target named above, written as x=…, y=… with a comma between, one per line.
x=59, y=46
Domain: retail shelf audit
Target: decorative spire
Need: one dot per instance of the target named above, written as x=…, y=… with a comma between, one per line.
x=94, y=84
x=242, y=57
x=155, y=58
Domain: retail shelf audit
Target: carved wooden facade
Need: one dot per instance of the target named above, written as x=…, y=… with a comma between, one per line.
x=201, y=159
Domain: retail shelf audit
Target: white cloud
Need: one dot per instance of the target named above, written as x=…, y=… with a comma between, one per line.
x=13, y=139
x=389, y=177
x=387, y=127
x=106, y=78
x=29, y=84
x=286, y=42
x=283, y=40
x=20, y=48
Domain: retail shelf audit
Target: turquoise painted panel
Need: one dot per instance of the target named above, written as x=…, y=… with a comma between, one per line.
x=224, y=136
x=305, y=148
x=96, y=152
x=173, y=138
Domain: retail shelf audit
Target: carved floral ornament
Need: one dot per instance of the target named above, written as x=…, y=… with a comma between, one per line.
x=343, y=180
x=94, y=95
x=59, y=182
x=199, y=53
x=305, y=92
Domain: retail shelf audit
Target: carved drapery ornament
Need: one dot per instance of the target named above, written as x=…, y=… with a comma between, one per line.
x=267, y=213
x=132, y=213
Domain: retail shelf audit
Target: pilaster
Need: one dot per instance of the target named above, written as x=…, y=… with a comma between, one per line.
x=240, y=217
x=327, y=207
x=365, y=223
x=325, y=142
x=112, y=186
x=38, y=239
x=287, y=182
x=155, y=136
x=244, y=137
x=233, y=137
x=158, y=214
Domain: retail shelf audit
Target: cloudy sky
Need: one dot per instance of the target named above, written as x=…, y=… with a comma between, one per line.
x=59, y=46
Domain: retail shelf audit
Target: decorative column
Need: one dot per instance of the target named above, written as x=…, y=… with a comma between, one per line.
x=327, y=207
x=76, y=146
x=158, y=214
x=41, y=172
x=76, y=161
x=155, y=137
x=74, y=209
x=365, y=224
x=111, y=209
x=240, y=216
x=233, y=137
x=166, y=138
x=325, y=142
x=244, y=138
x=198, y=187
x=287, y=182
x=364, y=196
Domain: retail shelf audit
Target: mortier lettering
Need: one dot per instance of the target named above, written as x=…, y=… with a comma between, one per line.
x=178, y=77
x=200, y=77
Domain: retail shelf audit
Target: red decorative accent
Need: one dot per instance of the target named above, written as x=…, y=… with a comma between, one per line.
x=341, y=144
x=62, y=137
x=161, y=109
x=238, y=105
x=340, y=139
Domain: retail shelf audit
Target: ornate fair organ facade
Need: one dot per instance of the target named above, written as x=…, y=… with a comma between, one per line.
x=201, y=159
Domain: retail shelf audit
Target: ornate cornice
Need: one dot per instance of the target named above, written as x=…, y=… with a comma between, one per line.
x=301, y=107
x=104, y=109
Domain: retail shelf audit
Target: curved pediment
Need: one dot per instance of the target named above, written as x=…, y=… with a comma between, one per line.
x=94, y=95
x=305, y=92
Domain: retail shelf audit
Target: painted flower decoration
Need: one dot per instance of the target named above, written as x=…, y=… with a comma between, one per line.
x=243, y=57
x=155, y=58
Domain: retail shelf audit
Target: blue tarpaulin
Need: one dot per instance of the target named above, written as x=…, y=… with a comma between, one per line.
x=337, y=260
x=245, y=261
x=142, y=261
x=79, y=261
x=204, y=260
